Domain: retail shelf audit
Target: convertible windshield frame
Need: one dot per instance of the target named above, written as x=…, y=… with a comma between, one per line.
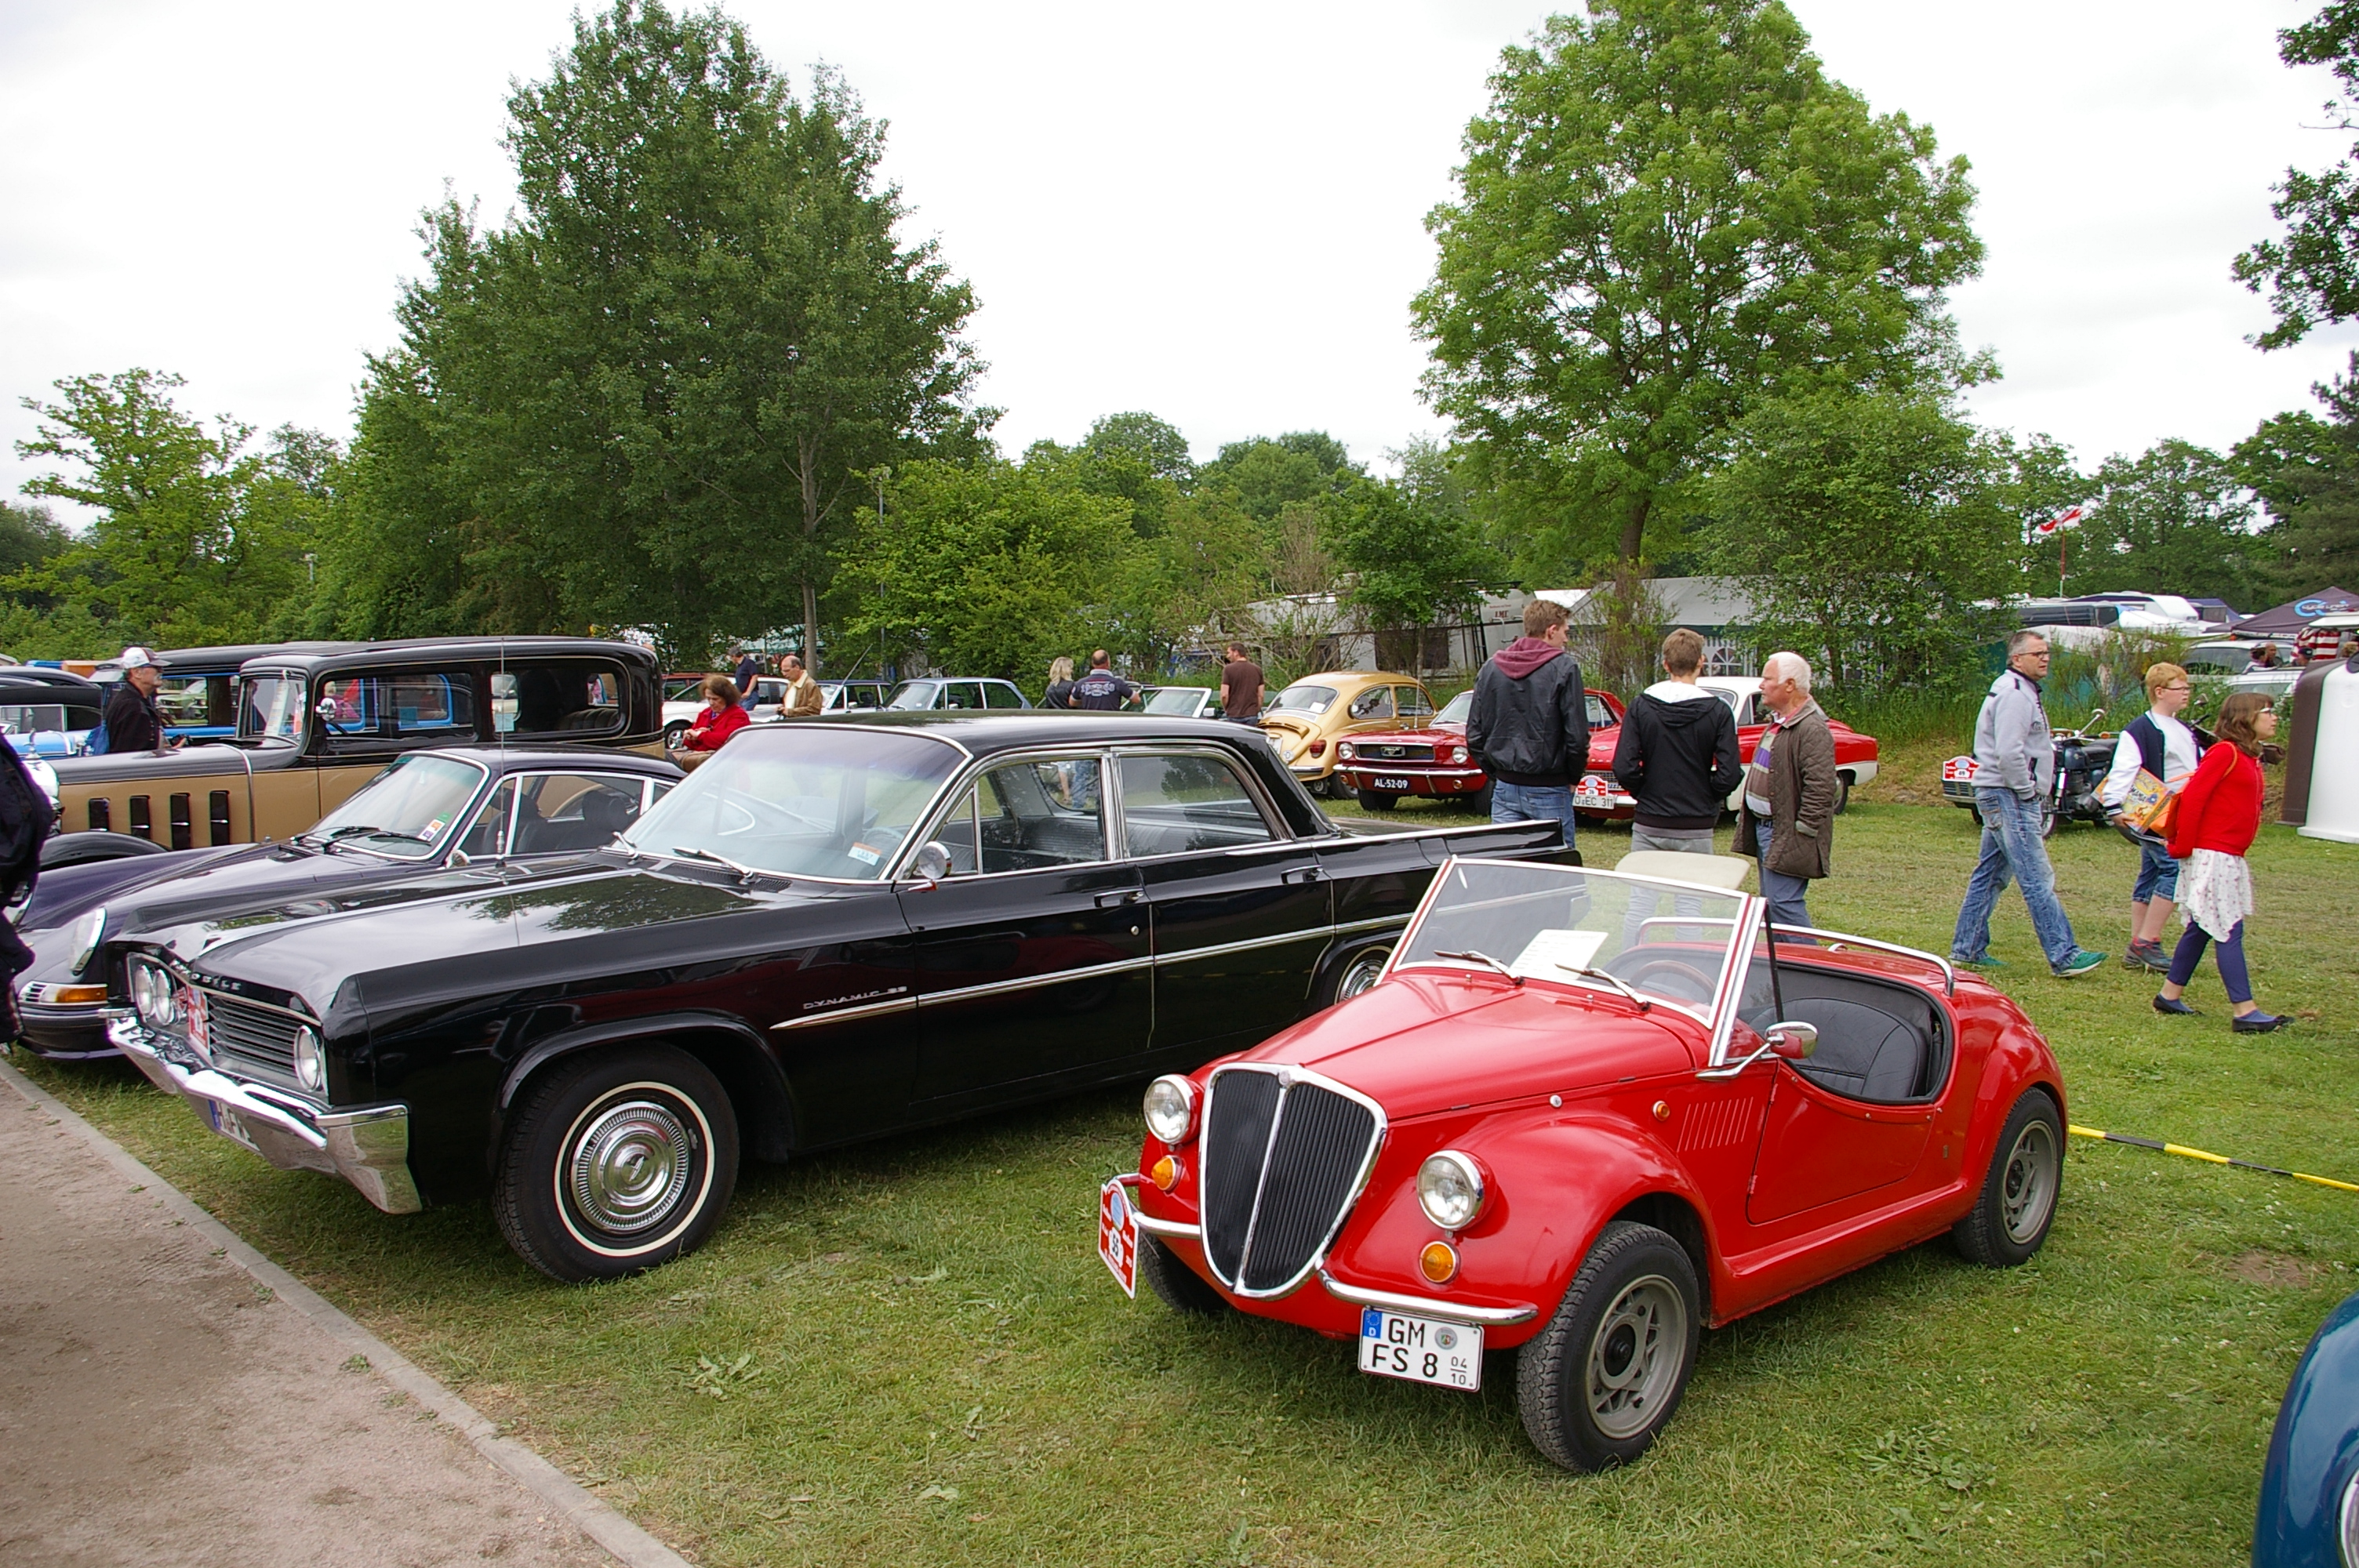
x=638, y=839
x=1718, y=1015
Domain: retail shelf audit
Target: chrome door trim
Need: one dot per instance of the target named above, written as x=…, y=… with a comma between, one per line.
x=1378, y=924
x=1029, y=982
x=837, y=1015
x=1222, y=949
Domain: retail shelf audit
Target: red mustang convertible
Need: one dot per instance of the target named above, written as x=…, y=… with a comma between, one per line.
x=1583, y=1115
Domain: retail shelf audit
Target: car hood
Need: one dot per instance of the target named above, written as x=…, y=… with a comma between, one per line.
x=1432, y=735
x=310, y=946
x=1426, y=1042
x=170, y=889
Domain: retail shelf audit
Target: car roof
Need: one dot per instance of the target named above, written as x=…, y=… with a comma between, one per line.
x=518, y=759
x=1355, y=677
x=226, y=658
x=316, y=658
x=1012, y=730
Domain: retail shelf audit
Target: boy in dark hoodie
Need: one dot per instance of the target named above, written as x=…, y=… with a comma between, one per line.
x=1678, y=757
x=1529, y=723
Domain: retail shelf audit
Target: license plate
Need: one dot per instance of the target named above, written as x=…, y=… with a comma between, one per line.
x=1422, y=1349
x=1381, y=782
x=1118, y=1236
x=229, y=1124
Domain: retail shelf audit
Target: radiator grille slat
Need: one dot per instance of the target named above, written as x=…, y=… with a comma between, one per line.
x=1271, y=1204
x=258, y=1039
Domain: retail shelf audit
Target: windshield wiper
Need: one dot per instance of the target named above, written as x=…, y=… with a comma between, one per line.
x=744, y=873
x=1472, y=957
x=1616, y=981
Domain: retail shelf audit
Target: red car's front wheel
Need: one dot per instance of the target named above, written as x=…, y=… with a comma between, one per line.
x=1603, y=1379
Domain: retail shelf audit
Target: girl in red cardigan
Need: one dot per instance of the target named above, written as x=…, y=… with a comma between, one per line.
x=2219, y=818
x=722, y=717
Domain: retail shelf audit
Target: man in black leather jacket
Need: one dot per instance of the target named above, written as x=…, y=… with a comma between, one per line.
x=1529, y=724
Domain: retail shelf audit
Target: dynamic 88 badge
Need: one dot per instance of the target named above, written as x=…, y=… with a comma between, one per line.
x=1422, y=1349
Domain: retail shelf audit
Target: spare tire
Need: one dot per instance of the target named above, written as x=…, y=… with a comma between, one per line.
x=96, y=844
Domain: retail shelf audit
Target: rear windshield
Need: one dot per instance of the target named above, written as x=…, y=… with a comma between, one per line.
x=1305, y=699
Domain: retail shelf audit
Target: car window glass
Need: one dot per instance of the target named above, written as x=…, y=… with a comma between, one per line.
x=488, y=833
x=407, y=812
x=558, y=696
x=273, y=708
x=1455, y=710
x=1305, y=699
x=999, y=694
x=1412, y=702
x=558, y=812
x=1174, y=805
x=1600, y=716
x=963, y=694
x=200, y=704
x=423, y=706
x=1028, y=815
x=1377, y=702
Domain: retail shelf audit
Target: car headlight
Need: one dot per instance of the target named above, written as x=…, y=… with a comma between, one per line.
x=311, y=1063
x=152, y=995
x=1449, y=1189
x=88, y=932
x=1346, y=752
x=1171, y=1109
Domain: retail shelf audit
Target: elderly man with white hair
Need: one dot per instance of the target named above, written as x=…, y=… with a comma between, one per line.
x=1788, y=819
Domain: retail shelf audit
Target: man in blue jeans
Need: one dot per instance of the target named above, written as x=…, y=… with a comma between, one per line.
x=1529, y=723
x=2014, y=769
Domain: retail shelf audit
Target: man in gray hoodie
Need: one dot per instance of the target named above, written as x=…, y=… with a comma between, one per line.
x=2014, y=769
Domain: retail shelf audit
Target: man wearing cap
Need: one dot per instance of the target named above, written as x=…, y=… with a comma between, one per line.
x=132, y=722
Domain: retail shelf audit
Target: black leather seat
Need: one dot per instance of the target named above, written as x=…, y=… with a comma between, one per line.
x=1863, y=1052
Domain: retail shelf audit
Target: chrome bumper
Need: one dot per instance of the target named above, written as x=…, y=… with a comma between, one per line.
x=368, y=1147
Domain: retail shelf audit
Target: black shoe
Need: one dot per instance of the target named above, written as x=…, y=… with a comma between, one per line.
x=2175, y=1008
x=2258, y=1022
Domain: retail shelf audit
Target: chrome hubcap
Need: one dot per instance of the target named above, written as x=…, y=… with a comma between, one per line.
x=629, y=1166
x=1634, y=1357
x=1361, y=974
x=2027, y=1190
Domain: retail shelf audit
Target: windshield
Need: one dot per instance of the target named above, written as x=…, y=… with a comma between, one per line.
x=817, y=800
x=1175, y=699
x=406, y=812
x=914, y=694
x=1455, y=710
x=1668, y=942
x=1304, y=699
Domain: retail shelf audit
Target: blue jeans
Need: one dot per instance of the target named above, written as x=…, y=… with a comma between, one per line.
x=2158, y=875
x=2012, y=847
x=1532, y=803
x=1785, y=893
x=2229, y=956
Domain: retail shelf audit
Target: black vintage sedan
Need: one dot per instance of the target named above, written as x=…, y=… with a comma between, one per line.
x=426, y=810
x=836, y=928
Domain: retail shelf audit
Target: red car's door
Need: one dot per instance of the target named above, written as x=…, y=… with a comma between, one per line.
x=1818, y=1148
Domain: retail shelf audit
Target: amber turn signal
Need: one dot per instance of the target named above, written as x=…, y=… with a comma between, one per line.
x=69, y=995
x=1438, y=1262
x=1165, y=1174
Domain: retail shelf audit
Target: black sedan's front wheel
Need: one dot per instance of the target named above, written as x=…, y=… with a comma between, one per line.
x=1604, y=1378
x=617, y=1162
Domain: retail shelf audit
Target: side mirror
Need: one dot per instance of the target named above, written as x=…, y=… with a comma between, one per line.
x=932, y=861
x=1793, y=1039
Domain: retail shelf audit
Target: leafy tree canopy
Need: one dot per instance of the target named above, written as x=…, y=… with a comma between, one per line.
x=28, y=535
x=1267, y=473
x=2311, y=274
x=2177, y=519
x=1668, y=215
x=2305, y=470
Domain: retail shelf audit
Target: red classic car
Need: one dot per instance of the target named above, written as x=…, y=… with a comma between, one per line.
x=1383, y=767
x=1586, y=1114
x=1598, y=795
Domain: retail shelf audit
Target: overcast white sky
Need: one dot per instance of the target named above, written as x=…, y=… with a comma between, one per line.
x=1212, y=211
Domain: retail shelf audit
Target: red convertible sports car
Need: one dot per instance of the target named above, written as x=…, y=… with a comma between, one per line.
x=1583, y=1115
x=1383, y=767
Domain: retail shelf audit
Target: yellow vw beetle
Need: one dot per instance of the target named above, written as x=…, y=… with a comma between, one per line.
x=1306, y=718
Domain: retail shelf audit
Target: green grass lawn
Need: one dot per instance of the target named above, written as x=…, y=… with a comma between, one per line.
x=908, y=1352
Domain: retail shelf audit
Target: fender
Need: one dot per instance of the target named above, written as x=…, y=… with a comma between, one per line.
x=1341, y=952
x=2011, y=1066
x=747, y=1068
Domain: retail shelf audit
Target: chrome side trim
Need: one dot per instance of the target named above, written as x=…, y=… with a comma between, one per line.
x=1029, y=982
x=1378, y=924
x=1426, y=1306
x=367, y=1145
x=1222, y=949
x=1949, y=973
x=866, y=1010
x=1148, y=1222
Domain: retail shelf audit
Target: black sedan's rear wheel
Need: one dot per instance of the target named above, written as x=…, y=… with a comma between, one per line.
x=1603, y=1379
x=617, y=1162
x=2010, y=1220
x=1352, y=975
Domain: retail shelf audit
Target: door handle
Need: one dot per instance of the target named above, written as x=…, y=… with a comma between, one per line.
x=1115, y=899
x=1301, y=874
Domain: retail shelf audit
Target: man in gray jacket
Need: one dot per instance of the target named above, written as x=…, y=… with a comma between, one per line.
x=2014, y=770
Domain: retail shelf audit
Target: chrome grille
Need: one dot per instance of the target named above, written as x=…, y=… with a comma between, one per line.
x=1284, y=1157
x=241, y=1033
x=1391, y=752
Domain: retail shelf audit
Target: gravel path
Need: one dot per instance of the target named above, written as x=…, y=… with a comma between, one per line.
x=160, y=1405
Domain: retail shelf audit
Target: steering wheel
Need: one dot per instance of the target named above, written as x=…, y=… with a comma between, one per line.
x=1670, y=977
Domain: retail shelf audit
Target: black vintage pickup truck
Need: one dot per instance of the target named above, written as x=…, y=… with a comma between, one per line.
x=836, y=928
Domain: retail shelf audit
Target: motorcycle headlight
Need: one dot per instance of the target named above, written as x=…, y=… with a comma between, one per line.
x=1171, y=1109
x=1449, y=1189
x=152, y=995
x=311, y=1063
x=88, y=932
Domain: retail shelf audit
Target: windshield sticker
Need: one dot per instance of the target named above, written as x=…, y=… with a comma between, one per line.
x=1549, y=953
x=865, y=855
x=433, y=828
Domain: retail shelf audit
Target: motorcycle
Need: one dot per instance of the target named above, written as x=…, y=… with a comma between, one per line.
x=2082, y=759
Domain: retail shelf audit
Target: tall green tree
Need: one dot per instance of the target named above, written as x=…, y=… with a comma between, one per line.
x=196, y=538
x=652, y=397
x=2176, y=519
x=1668, y=214
x=1414, y=562
x=1876, y=531
x=1267, y=473
x=29, y=536
x=2306, y=471
x=2311, y=272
